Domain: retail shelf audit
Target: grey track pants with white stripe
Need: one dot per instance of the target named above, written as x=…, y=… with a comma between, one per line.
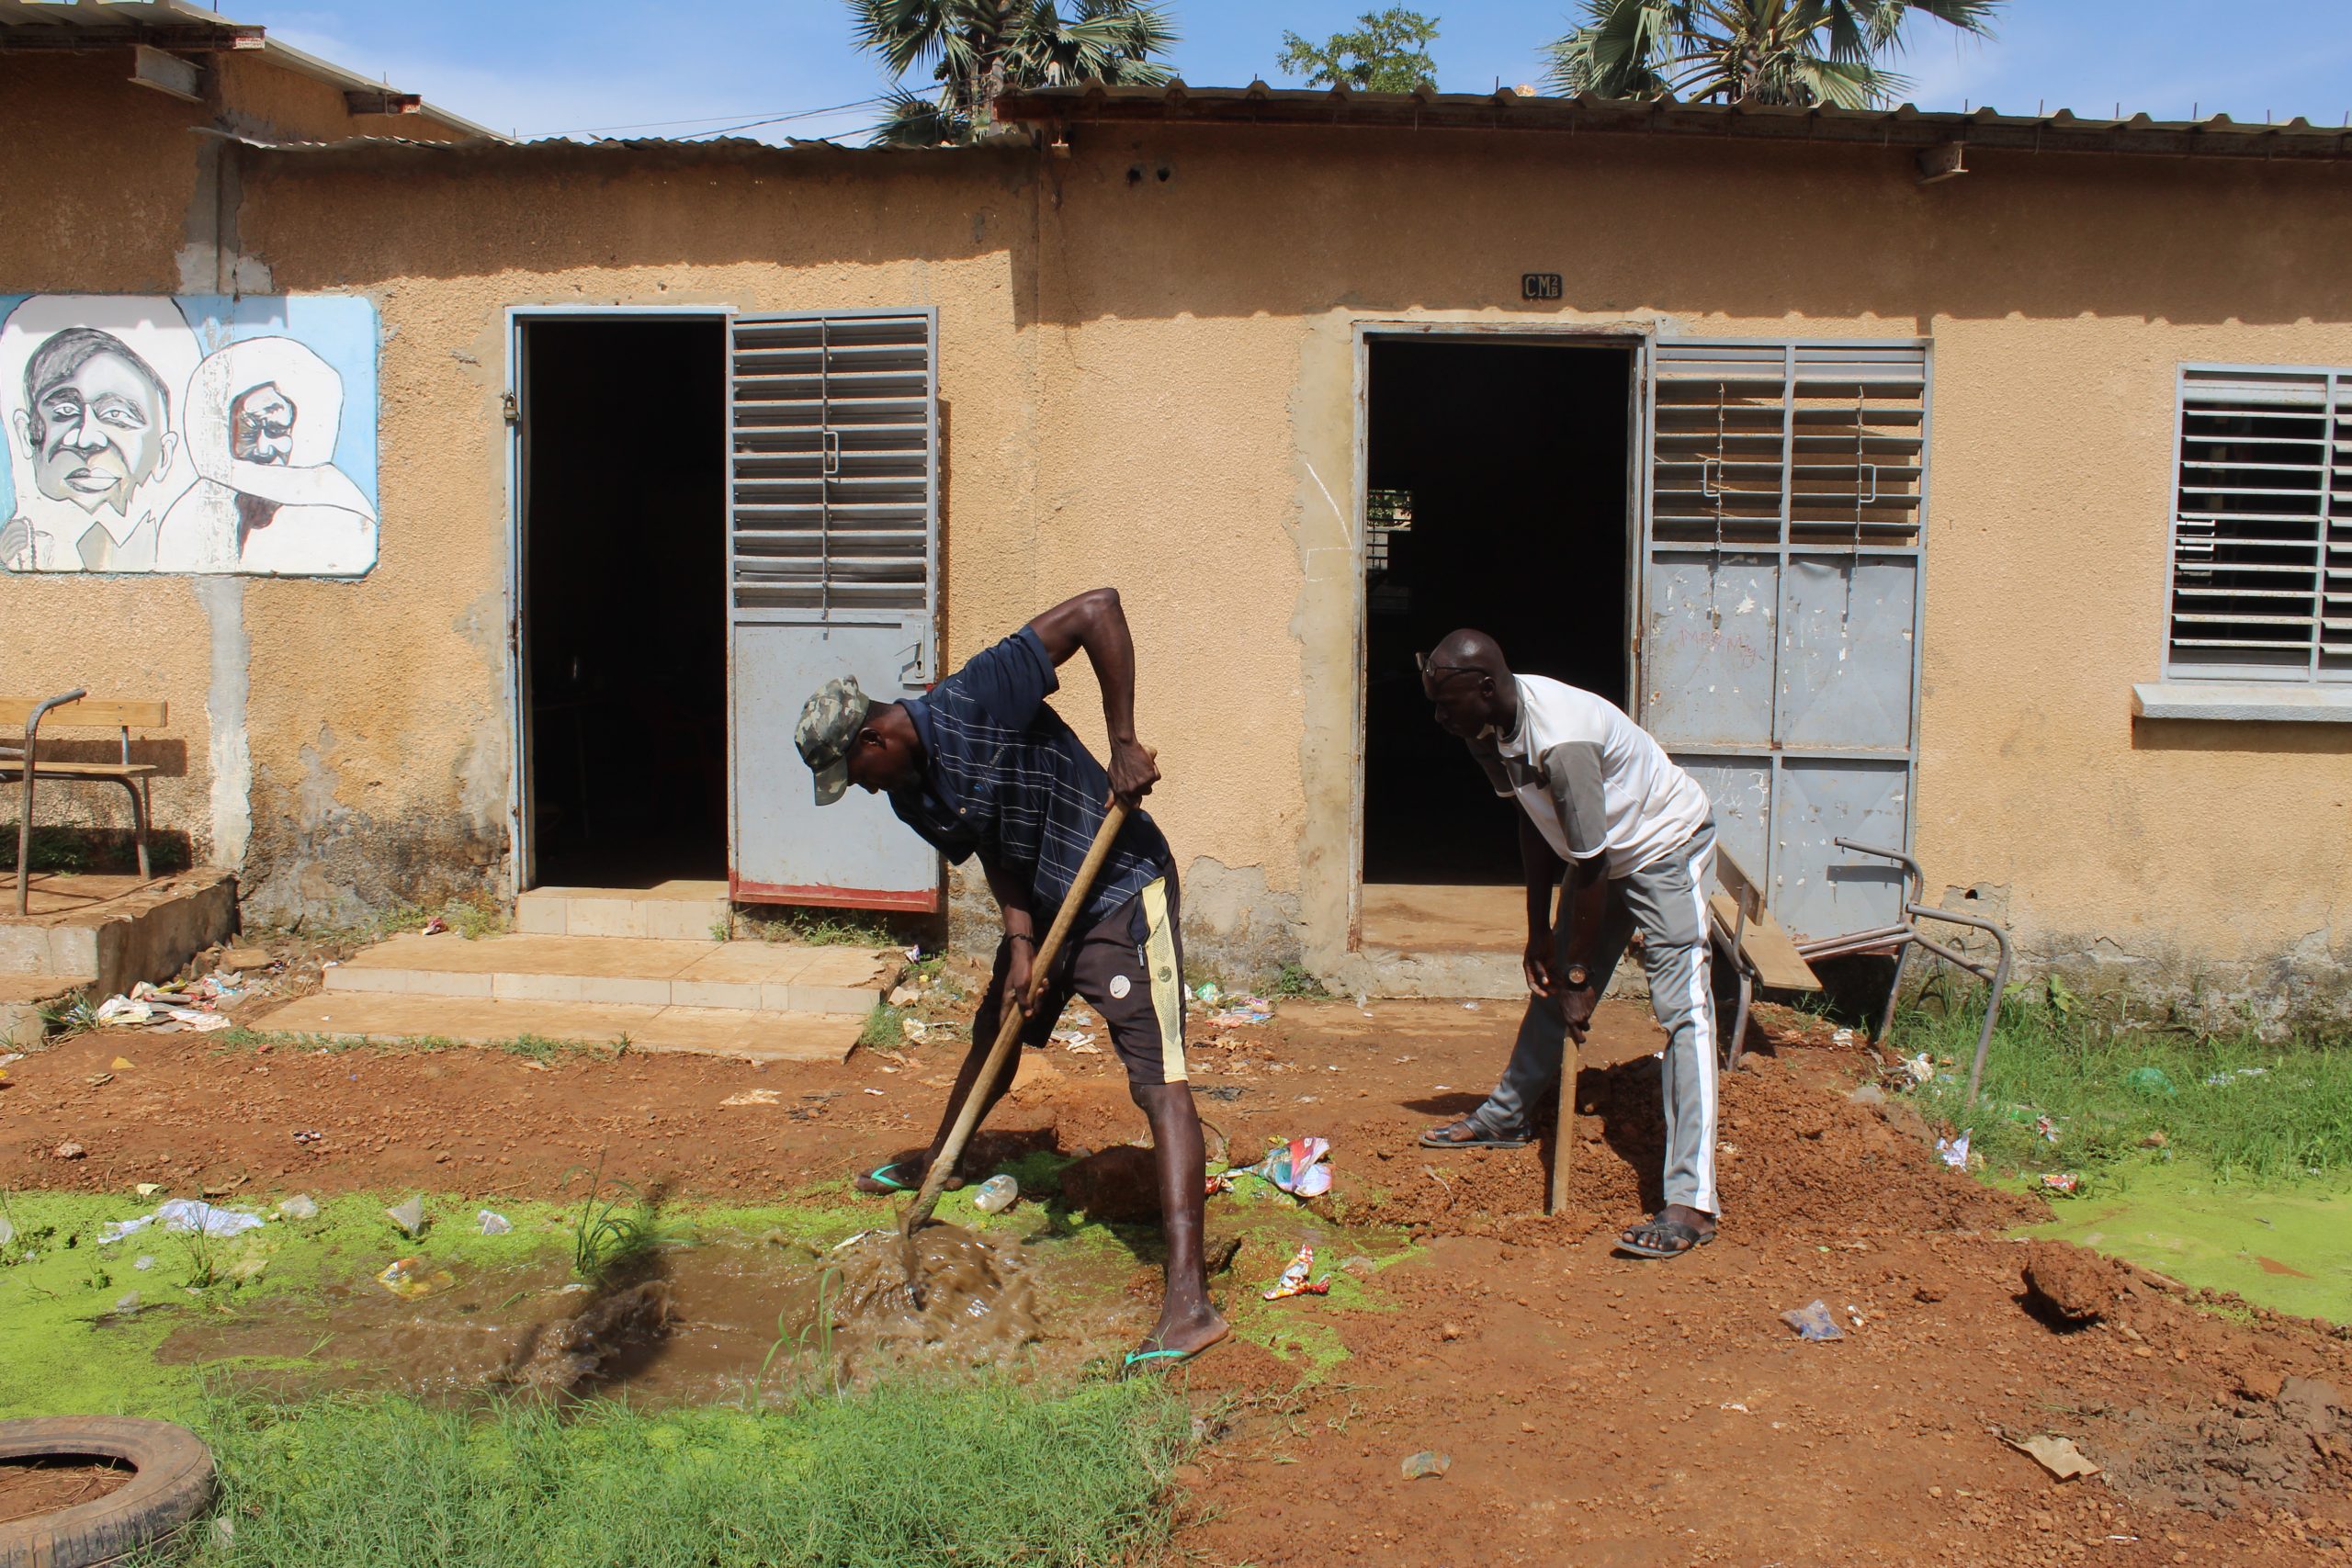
x=1666, y=900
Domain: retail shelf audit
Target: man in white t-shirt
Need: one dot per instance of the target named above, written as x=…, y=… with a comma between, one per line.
x=1635, y=836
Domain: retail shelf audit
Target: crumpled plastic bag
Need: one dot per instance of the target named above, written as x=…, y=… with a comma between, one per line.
x=1294, y=1281
x=1811, y=1321
x=186, y=1215
x=1297, y=1167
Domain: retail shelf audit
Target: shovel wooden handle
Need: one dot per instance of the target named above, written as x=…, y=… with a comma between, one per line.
x=1008, y=1032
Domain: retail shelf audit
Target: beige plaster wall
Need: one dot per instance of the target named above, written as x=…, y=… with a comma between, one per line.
x=2061, y=295
x=1152, y=382
x=109, y=187
x=379, y=713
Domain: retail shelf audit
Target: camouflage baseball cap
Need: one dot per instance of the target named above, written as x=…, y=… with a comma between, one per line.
x=828, y=724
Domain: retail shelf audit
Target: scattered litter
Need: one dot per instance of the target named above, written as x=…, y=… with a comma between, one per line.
x=493, y=1224
x=2148, y=1080
x=912, y=1030
x=2046, y=1127
x=299, y=1207
x=184, y=1216
x=854, y=1240
x=1243, y=1013
x=413, y=1278
x=1842, y=1037
x=2059, y=1456
x=1078, y=1040
x=12, y=1056
x=308, y=1134
x=122, y=1010
x=904, y=995
x=96, y=1079
x=435, y=926
x=1426, y=1463
x=1734, y=1405
x=1469, y=1006
x=1206, y=993
x=2065, y=1181
x=148, y=1189
x=1228, y=1092
x=1921, y=1068
x=2220, y=1081
x=127, y=1303
x=1294, y=1281
x=144, y=1263
x=912, y=953
x=754, y=1097
x=407, y=1216
x=1953, y=1152
x=1295, y=1167
x=69, y=1150
x=123, y=1065
x=1083, y=1048
x=1221, y=1182
x=873, y=1091
x=1813, y=1321
x=997, y=1194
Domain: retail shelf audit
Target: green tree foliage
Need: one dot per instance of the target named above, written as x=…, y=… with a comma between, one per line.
x=1388, y=52
x=1769, y=52
x=976, y=49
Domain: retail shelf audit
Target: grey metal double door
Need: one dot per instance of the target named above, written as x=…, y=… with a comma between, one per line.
x=1784, y=528
x=832, y=569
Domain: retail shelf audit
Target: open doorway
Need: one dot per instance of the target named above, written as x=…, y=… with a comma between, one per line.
x=624, y=542
x=1497, y=475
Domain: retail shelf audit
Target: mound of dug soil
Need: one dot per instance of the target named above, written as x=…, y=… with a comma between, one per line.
x=2264, y=1451
x=2074, y=1286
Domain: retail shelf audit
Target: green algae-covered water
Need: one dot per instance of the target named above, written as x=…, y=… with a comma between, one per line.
x=2286, y=1248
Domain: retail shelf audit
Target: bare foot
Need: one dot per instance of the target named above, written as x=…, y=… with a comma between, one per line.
x=1180, y=1336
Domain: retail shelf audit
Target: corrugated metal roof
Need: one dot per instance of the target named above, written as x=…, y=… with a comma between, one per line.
x=2063, y=132
x=176, y=25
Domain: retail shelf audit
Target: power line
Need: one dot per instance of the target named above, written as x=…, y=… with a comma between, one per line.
x=778, y=120
x=705, y=119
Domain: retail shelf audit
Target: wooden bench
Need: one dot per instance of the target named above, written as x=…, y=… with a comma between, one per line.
x=76, y=709
x=1761, y=953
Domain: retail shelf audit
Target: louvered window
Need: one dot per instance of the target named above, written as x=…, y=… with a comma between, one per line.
x=2262, y=526
x=834, y=467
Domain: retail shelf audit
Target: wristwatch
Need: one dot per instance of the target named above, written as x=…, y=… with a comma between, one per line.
x=1577, y=976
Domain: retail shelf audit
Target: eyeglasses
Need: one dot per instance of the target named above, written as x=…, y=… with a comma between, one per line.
x=1425, y=663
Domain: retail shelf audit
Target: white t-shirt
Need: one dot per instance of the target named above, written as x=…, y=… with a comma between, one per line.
x=1591, y=780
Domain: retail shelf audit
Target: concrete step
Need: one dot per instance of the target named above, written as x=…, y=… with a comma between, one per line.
x=751, y=976
x=391, y=1017
x=669, y=911
x=22, y=997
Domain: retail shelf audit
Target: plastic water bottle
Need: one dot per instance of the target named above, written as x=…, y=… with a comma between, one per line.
x=997, y=1194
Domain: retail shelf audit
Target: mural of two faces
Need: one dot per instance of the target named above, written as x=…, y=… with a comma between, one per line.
x=197, y=434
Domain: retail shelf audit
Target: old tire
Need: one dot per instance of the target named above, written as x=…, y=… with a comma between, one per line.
x=172, y=1487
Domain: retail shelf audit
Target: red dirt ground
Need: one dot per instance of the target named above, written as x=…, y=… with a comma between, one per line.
x=1597, y=1410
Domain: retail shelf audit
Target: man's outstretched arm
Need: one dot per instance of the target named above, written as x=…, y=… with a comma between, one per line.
x=1095, y=622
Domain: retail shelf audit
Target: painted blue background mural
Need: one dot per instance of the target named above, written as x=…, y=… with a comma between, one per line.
x=194, y=435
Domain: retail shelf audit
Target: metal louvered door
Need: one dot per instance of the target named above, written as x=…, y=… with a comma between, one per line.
x=832, y=569
x=1784, y=524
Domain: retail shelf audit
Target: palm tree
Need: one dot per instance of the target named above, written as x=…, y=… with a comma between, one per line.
x=979, y=48
x=1769, y=52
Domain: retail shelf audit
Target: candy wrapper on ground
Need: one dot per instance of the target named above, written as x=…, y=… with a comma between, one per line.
x=1294, y=1281
x=1296, y=1167
x=2066, y=1182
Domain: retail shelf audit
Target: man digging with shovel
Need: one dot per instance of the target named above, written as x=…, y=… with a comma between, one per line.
x=981, y=765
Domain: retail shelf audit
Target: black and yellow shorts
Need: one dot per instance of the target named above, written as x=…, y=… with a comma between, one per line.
x=1129, y=968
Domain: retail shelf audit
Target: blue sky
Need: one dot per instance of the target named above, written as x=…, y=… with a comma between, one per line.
x=542, y=68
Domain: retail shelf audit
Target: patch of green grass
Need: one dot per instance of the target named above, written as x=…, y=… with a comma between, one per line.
x=2243, y=1107
x=537, y=1047
x=1295, y=981
x=616, y=1226
x=815, y=926
x=983, y=1473
x=883, y=1027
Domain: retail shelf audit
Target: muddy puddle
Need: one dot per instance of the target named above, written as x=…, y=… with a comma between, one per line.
x=723, y=1319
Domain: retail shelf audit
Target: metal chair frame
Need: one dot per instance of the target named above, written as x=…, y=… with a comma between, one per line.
x=26, y=762
x=1899, y=940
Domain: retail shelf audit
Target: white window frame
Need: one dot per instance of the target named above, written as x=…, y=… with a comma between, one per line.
x=2195, y=688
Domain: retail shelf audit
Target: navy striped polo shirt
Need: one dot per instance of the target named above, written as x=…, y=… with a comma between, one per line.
x=1004, y=778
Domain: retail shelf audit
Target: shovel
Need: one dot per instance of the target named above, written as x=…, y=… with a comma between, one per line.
x=1007, y=1033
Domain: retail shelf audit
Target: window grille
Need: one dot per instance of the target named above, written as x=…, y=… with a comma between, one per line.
x=2261, y=570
